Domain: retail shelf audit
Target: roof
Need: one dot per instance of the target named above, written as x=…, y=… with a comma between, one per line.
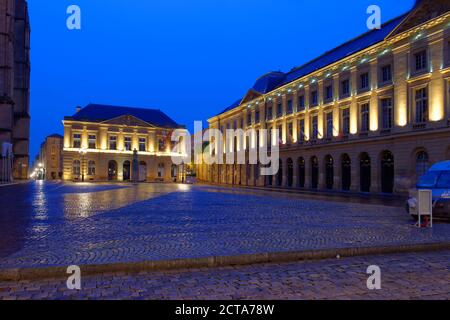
x=273, y=80
x=100, y=113
x=55, y=135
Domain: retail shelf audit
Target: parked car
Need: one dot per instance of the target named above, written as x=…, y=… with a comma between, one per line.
x=436, y=179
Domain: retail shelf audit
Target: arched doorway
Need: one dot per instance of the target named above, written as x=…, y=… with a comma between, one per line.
x=126, y=170
x=422, y=163
x=301, y=172
x=280, y=174
x=346, y=168
x=365, y=172
x=387, y=172
x=112, y=170
x=142, y=171
x=290, y=172
x=314, y=172
x=329, y=172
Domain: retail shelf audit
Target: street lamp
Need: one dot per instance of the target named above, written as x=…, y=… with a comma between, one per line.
x=82, y=152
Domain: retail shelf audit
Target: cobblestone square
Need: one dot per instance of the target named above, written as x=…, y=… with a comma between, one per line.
x=54, y=224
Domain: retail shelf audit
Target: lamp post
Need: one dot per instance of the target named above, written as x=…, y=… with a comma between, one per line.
x=82, y=152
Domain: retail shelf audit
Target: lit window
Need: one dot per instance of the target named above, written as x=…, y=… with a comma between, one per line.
x=420, y=59
x=76, y=168
x=77, y=140
x=346, y=121
x=161, y=145
x=315, y=127
x=92, y=142
x=301, y=130
x=329, y=125
x=421, y=102
x=365, y=117
x=112, y=143
x=386, y=111
x=127, y=143
x=142, y=144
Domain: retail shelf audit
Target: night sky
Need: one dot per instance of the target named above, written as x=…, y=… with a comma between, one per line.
x=189, y=58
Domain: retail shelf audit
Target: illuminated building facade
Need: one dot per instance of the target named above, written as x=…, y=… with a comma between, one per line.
x=111, y=143
x=368, y=116
x=48, y=163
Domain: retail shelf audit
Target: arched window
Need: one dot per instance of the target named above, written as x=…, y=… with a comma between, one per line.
x=161, y=170
x=421, y=163
x=76, y=167
x=91, y=168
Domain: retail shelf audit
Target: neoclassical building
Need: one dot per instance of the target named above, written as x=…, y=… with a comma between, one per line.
x=368, y=116
x=112, y=143
x=14, y=89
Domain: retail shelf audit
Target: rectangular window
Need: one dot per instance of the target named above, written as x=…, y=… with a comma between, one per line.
x=269, y=115
x=365, y=117
x=127, y=143
x=329, y=93
x=329, y=125
x=242, y=123
x=315, y=127
x=249, y=119
x=386, y=112
x=386, y=73
x=289, y=107
x=77, y=140
x=92, y=142
x=280, y=134
x=301, y=130
x=301, y=103
x=420, y=59
x=345, y=88
x=421, y=102
x=142, y=144
x=314, y=98
x=346, y=121
x=279, y=110
x=364, y=81
x=290, y=132
x=257, y=116
x=112, y=143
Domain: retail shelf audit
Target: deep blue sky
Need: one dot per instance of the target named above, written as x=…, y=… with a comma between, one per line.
x=189, y=58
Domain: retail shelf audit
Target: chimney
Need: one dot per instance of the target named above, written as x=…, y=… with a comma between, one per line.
x=78, y=109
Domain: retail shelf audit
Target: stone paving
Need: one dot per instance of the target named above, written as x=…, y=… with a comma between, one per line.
x=403, y=276
x=46, y=224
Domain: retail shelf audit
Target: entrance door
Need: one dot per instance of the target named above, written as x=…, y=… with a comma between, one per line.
x=314, y=173
x=112, y=170
x=126, y=170
x=142, y=171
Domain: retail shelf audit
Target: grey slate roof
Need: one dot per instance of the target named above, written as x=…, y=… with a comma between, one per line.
x=274, y=80
x=100, y=113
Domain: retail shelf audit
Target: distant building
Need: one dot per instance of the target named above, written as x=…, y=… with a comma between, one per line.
x=14, y=89
x=112, y=143
x=370, y=115
x=48, y=163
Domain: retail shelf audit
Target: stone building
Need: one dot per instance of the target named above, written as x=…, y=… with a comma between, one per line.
x=368, y=116
x=111, y=143
x=14, y=88
x=48, y=163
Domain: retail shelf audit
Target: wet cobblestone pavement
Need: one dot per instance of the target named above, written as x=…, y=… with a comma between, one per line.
x=47, y=224
x=403, y=276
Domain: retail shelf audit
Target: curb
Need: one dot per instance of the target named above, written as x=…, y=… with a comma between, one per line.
x=214, y=262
